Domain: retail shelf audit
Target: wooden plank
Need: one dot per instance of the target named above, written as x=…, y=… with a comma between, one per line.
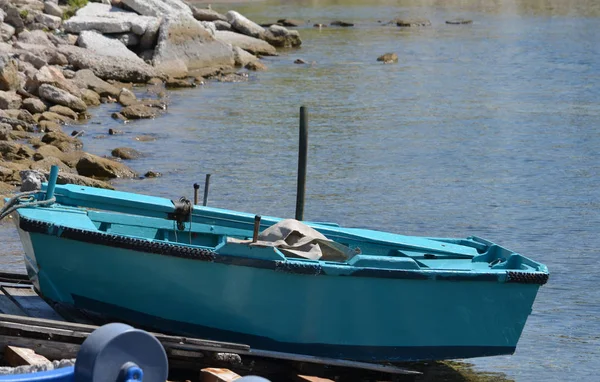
x=8, y=306
x=213, y=374
x=18, y=356
x=307, y=378
x=32, y=304
x=50, y=349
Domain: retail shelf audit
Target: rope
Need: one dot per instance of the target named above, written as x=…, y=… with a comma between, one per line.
x=23, y=199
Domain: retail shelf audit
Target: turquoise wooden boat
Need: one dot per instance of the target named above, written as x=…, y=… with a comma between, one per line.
x=150, y=262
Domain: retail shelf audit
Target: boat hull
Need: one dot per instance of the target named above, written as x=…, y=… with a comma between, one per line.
x=369, y=319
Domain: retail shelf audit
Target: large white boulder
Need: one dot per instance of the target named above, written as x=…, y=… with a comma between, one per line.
x=158, y=8
x=101, y=44
x=185, y=45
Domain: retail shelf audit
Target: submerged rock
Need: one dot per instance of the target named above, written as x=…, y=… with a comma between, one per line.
x=281, y=37
x=339, y=23
x=417, y=22
x=459, y=21
x=139, y=112
x=388, y=58
x=250, y=44
x=125, y=153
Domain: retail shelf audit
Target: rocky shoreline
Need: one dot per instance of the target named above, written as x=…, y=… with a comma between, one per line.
x=57, y=60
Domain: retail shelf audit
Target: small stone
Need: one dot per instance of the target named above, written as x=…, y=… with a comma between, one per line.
x=152, y=174
x=179, y=83
x=256, y=66
x=412, y=22
x=114, y=132
x=119, y=117
x=459, y=21
x=145, y=138
x=52, y=9
x=290, y=22
x=320, y=25
x=339, y=23
x=300, y=61
x=127, y=97
x=388, y=58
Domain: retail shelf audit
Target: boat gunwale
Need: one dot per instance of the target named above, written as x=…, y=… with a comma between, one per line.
x=289, y=265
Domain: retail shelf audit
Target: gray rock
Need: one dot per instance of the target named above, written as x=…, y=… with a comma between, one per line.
x=459, y=21
x=58, y=96
x=62, y=141
x=26, y=116
x=6, y=31
x=339, y=23
x=125, y=153
x=281, y=37
x=107, y=20
x=242, y=58
x=9, y=74
x=98, y=43
x=90, y=97
x=127, y=39
x=139, y=112
x=37, y=61
x=243, y=25
x=108, y=67
x=222, y=26
x=184, y=44
x=52, y=22
x=2, y=15
x=15, y=123
x=290, y=22
x=87, y=79
x=55, y=58
x=28, y=69
x=79, y=24
x=417, y=22
x=53, y=9
x=53, y=76
x=158, y=8
x=148, y=40
x=65, y=111
x=388, y=58
x=126, y=97
x=209, y=26
x=34, y=105
x=202, y=14
x=66, y=178
x=256, y=66
x=96, y=9
x=250, y=44
x=9, y=100
x=36, y=37
x=13, y=17
x=92, y=165
x=31, y=180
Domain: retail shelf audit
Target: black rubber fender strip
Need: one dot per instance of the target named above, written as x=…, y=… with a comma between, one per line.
x=527, y=277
